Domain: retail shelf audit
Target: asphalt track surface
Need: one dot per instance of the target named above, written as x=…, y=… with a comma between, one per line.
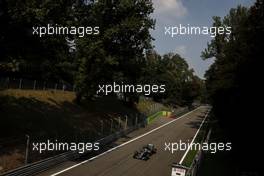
x=120, y=162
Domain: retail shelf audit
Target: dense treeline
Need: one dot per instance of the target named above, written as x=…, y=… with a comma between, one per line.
x=122, y=52
x=182, y=86
x=28, y=55
x=233, y=81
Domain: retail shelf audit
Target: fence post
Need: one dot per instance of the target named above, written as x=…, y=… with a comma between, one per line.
x=126, y=123
x=20, y=83
x=136, y=120
x=44, y=85
x=34, y=86
x=119, y=122
x=27, y=150
x=111, y=127
x=56, y=87
x=102, y=127
x=7, y=81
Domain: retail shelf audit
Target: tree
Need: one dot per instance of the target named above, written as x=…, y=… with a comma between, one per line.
x=182, y=86
x=44, y=57
x=118, y=52
x=233, y=80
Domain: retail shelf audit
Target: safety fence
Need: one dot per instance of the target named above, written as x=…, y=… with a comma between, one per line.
x=101, y=128
x=40, y=166
x=36, y=167
x=30, y=84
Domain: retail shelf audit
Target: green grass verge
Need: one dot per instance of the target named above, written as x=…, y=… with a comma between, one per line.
x=199, y=139
x=189, y=158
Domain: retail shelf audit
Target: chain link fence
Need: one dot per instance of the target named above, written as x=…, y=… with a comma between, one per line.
x=30, y=84
x=107, y=129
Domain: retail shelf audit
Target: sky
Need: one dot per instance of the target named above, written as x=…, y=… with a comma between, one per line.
x=194, y=13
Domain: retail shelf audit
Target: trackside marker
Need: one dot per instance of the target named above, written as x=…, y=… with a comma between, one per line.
x=123, y=144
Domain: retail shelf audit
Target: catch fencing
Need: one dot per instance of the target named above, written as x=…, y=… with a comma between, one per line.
x=125, y=127
x=30, y=84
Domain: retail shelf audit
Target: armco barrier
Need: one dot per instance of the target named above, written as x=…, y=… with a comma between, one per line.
x=154, y=116
x=40, y=166
x=166, y=114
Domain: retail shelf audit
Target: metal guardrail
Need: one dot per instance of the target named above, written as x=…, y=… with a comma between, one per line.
x=40, y=166
x=195, y=166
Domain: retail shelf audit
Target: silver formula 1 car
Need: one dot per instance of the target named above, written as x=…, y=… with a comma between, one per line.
x=145, y=152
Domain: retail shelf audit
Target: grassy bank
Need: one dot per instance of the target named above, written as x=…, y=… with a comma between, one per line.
x=49, y=114
x=54, y=115
x=199, y=139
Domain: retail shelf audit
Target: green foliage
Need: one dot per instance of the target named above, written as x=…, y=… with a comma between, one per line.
x=43, y=58
x=121, y=53
x=182, y=86
x=233, y=80
x=227, y=51
x=118, y=53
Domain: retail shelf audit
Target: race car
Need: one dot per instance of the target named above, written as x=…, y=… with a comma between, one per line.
x=145, y=152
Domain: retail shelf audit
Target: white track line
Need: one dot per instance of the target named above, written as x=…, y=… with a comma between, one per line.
x=123, y=144
x=185, y=154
